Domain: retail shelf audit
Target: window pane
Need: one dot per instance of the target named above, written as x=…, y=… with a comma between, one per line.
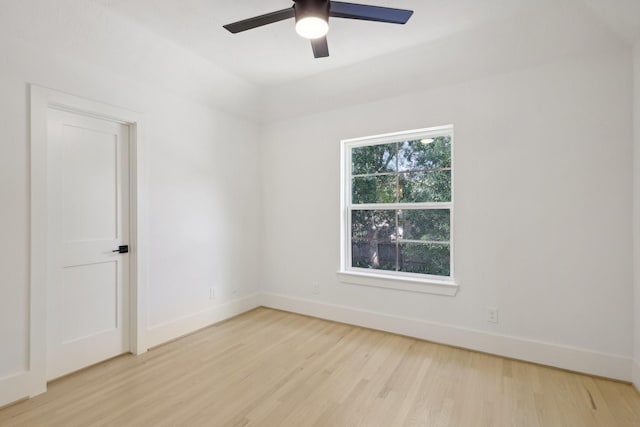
x=373, y=159
x=373, y=234
x=373, y=255
x=373, y=224
x=415, y=177
x=434, y=186
x=424, y=258
x=431, y=224
x=418, y=155
x=374, y=189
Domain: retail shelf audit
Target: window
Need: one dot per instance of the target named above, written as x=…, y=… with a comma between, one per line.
x=398, y=209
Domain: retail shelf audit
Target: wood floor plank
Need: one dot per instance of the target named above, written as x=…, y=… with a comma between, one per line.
x=271, y=368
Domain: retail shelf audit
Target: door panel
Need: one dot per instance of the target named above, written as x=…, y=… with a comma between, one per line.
x=87, y=283
x=89, y=184
x=89, y=292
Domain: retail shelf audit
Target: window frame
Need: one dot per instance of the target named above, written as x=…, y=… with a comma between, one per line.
x=413, y=282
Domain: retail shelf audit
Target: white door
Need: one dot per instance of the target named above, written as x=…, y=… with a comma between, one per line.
x=88, y=209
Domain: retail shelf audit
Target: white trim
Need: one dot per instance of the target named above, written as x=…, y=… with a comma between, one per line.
x=186, y=325
x=13, y=388
x=41, y=100
x=138, y=224
x=18, y=386
x=635, y=375
x=407, y=206
x=560, y=356
x=409, y=284
x=395, y=136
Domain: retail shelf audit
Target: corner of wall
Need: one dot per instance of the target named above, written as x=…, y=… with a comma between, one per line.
x=636, y=215
x=166, y=332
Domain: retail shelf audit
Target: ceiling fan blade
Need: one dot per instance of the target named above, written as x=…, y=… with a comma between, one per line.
x=259, y=21
x=369, y=13
x=320, y=47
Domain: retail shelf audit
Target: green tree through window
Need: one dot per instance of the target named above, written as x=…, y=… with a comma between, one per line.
x=400, y=204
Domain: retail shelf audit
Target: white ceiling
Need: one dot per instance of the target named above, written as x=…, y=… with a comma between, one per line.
x=445, y=41
x=275, y=54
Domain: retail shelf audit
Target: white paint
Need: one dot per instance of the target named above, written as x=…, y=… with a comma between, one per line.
x=427, y=286
x=199, y=166
x=88, y=295
x=622, y=16
x=544, y=32
x=479, y=69
x=636, y=213
x=561, y=356
x=492, y=315
x=543, y=208
x=14, y=387
x=43, y=232
x=440, y=285
x=91, y=34
x=276, y=54
x=176, y=328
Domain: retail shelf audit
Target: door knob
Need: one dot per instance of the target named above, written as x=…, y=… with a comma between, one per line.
x=124, y=249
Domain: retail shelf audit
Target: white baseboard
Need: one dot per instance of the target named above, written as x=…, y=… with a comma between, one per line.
x=636, y=374
x=16, y=387
x=13, y=388
x=160, y=334
x=564, y=357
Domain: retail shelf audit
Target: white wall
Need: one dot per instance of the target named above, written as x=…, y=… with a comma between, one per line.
x=636, y=213
x=202, y=163
x=543, y=177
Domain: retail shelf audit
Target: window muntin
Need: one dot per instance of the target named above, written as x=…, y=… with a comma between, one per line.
x=399, y=204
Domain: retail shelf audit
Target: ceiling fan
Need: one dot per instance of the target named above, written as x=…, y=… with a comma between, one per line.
x=312, y=19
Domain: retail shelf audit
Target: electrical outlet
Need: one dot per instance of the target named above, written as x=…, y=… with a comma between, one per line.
x=316, y=288
x=492, y=314
x=212, y=293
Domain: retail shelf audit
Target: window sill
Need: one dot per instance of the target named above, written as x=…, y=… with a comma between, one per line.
x=409, y=284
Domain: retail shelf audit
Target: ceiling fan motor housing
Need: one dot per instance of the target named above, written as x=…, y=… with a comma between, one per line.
x=312, y=8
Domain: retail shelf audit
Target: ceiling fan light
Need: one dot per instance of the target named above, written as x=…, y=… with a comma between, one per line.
x=312, y=27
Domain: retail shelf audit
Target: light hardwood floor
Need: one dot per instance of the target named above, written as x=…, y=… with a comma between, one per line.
x=270, y=368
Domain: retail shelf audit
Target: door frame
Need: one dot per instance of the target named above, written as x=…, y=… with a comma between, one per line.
x=41, y=100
